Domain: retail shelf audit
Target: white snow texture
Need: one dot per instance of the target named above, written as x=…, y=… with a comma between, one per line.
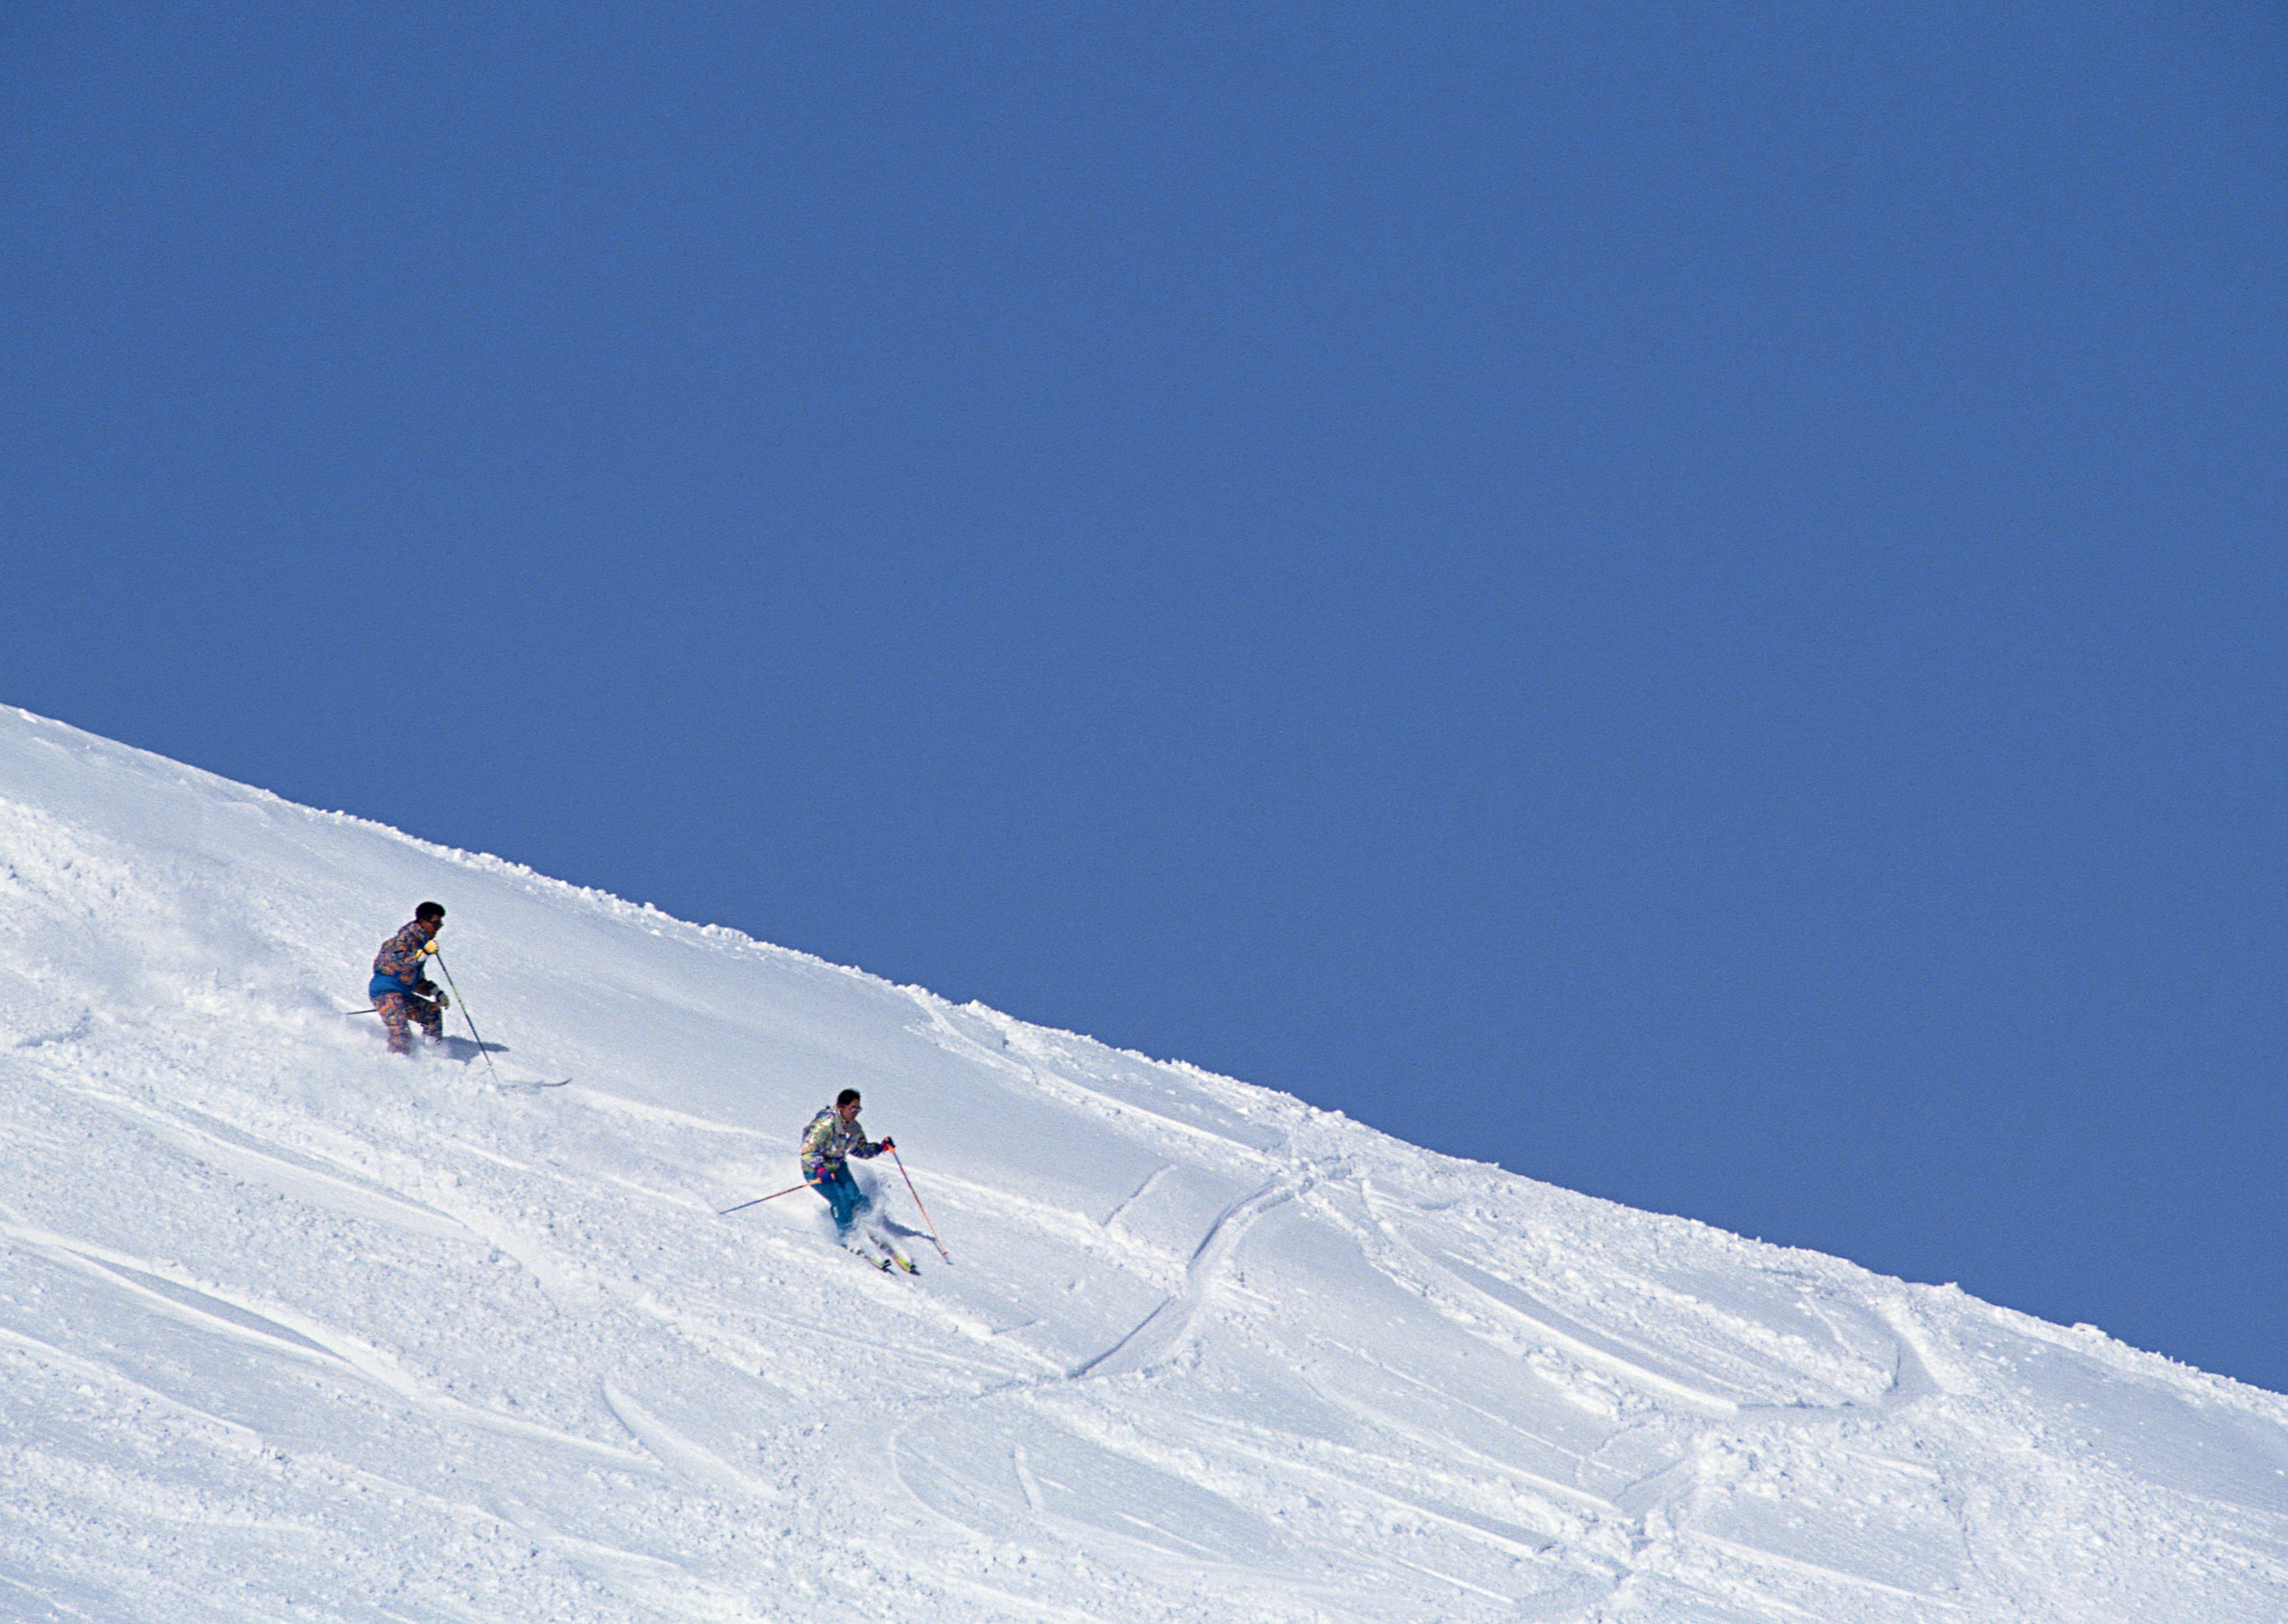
x=294, y=1328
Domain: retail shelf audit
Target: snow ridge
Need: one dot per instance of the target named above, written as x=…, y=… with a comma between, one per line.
x=291, y=1328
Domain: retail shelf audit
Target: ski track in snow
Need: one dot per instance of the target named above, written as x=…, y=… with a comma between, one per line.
x=292, y=1327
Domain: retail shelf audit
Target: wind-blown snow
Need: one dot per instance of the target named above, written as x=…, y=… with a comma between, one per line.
x=292, y=1329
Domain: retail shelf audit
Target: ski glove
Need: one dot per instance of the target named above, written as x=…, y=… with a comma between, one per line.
x=888, y=1143
x=443, y=1002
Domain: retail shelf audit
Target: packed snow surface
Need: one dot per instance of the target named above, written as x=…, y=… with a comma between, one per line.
x=293, y=1328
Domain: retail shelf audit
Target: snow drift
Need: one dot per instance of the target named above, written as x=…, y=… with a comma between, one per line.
x=293, y=1328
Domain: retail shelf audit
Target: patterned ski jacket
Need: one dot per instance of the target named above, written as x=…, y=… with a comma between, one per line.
x=397, y=967
x=829, y=1139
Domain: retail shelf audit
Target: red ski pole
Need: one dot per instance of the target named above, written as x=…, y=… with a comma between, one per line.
x=760, y=1200
x=908, y=1177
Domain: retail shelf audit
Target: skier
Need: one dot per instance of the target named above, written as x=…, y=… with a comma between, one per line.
x=833, y=1136
x=401, y=991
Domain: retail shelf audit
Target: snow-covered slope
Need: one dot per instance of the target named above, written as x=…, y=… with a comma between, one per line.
x=293, y=1328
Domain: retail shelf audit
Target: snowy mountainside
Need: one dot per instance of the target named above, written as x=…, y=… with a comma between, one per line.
x=291, y=1328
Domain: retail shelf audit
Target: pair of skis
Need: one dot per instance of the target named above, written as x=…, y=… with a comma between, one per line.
x=887, y=1258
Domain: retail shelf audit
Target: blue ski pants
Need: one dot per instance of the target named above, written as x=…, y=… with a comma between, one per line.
x=842, y=1193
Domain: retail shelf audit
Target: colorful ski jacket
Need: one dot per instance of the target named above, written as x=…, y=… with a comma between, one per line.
x=829, y=1139
x=397, y=967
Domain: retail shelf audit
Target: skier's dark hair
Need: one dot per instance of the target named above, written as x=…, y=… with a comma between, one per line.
x=848, y=1097
x=430, y=910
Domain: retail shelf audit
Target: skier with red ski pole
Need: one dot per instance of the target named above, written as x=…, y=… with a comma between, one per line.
x=829, y=1141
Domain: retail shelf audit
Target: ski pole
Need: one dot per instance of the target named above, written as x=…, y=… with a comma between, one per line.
x=466, y=1016
x=760, y=1200
x=916, y=1194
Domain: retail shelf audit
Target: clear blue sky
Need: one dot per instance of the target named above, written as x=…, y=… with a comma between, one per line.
x=1686, y=598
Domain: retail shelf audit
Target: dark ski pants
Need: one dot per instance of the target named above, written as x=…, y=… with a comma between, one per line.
x=843, y=1194
x=401, y=1009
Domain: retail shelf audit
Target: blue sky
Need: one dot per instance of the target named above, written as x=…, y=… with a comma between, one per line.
x=1687, y=599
